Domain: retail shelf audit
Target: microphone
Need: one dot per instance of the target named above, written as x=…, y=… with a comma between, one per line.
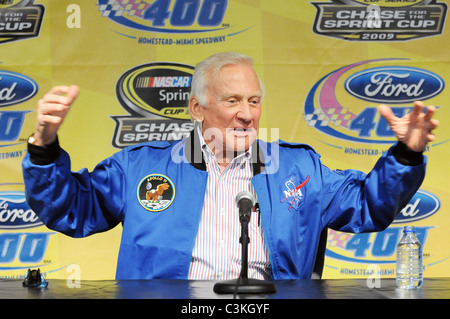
x=245, y=202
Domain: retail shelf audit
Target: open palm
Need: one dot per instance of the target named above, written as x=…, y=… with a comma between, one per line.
x=413, y=129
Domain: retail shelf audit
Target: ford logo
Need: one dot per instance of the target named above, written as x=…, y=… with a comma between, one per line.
x=422, y=205
x=394, y=84
x=15, y=88
x=15, y=212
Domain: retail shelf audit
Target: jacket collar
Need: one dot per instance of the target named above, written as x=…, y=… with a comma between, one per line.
x=194, y=154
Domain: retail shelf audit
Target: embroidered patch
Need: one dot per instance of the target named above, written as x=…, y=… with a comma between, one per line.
x=293, y=192
x=155, y=192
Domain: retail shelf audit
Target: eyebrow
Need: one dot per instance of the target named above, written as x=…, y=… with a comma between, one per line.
x=227, y=96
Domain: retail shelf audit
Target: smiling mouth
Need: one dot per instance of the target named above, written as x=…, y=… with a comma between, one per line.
x=242, y=132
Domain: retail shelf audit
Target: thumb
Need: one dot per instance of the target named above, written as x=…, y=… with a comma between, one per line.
x=386, y=112
x=72, y=94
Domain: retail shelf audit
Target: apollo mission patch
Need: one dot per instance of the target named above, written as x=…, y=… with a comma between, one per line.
x=155, y=192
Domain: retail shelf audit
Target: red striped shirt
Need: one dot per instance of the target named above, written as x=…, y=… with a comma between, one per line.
x=217, y=251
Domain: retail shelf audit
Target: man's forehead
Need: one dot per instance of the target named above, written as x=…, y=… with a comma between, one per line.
x=221, y=84
x=239, y=71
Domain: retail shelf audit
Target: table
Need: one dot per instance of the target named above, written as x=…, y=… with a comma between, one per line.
x=185, y=298
x=433, y=288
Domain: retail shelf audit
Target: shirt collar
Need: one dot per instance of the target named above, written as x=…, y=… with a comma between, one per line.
x=209, y=155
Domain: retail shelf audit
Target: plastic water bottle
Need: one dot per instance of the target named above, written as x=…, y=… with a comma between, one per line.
x=409, y=260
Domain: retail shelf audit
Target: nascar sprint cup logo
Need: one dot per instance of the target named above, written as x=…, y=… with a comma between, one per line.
x=157, y=96
x=390, y=84
x=379, y=20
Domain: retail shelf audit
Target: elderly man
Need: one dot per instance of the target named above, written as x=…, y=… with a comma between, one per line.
x=176, y=200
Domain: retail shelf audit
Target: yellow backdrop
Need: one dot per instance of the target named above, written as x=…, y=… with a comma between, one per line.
x=326, y=66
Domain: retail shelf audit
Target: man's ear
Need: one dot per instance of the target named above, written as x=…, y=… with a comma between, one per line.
x=195, y=109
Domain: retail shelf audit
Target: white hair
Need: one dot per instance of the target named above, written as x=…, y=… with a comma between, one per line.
x=207, y=71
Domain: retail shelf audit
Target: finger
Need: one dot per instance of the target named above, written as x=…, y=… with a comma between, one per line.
x=45, y=107
x=44, y=119
x=54, y=98
x=58, y=90
x=430, y=112
x=42, y=106
x=418, y=103
x=432, y=124
x=430, y=137
x=387, y=113
x=62, y=94
x=72, y=93
x=418, y=107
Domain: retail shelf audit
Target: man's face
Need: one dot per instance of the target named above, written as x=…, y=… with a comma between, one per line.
x=231, y=118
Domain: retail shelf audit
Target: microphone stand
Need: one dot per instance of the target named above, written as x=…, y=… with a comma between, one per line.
x=243, y=284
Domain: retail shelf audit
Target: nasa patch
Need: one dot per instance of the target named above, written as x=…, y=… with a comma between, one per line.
x=292, y=191
x=155, y=192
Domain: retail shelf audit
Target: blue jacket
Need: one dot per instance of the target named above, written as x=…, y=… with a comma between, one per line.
x=298, y=197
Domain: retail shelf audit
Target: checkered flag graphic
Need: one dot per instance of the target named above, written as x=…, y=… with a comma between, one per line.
x=334, y=116
x=338, y=239
x=119, y=8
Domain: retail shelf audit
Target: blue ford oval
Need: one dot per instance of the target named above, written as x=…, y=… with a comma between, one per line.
x=15, y=88
x=394, y=84
x=422, y=205
x=15, y=212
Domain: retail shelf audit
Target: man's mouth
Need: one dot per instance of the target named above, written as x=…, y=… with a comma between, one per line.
x=240, y=131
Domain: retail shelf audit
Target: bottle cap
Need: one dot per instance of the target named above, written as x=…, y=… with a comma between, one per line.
x=409, y=229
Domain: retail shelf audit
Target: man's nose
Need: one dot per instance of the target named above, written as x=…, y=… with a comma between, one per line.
x=245, y=112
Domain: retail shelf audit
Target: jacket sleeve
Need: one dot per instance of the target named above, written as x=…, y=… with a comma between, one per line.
x=357, y=202
x=77, y=204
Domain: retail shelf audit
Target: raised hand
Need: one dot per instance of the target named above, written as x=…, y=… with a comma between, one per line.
x=52, y=109
x=415, y=128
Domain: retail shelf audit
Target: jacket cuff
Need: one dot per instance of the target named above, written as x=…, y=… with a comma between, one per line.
x=406, y=156
x=44, y=155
